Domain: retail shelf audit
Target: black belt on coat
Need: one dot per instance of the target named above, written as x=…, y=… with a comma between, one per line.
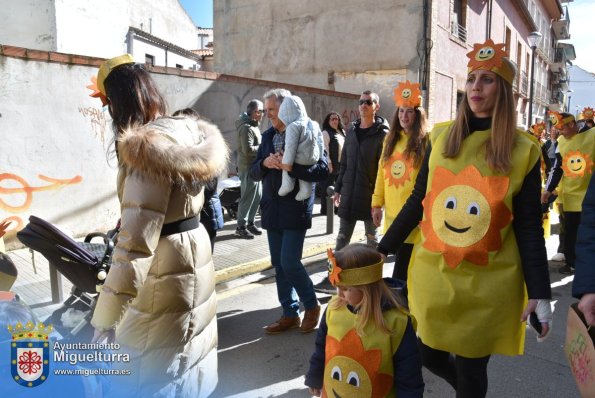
x=176, y=227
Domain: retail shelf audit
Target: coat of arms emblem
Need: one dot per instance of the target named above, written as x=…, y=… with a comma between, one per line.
x=30, y=353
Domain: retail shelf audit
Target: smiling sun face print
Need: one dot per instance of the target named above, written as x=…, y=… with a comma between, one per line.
x=576, y=164
x=464, y=214
x=397, y=169
x=352, y=371
x=486, y=55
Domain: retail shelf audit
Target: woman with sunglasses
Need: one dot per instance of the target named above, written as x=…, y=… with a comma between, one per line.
x=158, y=301
x=402, y=155
x=481, y=267
x=333, y=134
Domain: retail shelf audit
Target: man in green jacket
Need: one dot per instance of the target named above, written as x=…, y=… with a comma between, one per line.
x=248, y=142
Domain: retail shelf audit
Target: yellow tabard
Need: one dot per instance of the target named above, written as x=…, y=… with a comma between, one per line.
x=578, y=154
x=467, y=289
x=394, y=184
x=360, y=366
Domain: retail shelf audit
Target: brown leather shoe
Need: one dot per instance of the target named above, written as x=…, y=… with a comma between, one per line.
x=310, y=320
x=282, y=324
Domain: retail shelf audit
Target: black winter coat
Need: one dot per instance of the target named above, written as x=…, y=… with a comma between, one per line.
x=359, y=166
x=584, y=277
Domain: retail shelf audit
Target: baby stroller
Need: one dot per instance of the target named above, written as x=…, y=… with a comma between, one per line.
x=229, y=194
x=84, y=264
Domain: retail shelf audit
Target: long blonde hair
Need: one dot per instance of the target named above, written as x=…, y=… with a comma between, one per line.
x=369, y=309
x=499, y=146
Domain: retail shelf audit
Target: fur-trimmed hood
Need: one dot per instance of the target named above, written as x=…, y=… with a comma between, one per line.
x=175, y=150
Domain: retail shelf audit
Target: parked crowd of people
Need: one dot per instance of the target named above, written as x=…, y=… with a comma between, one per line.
x=461, y=206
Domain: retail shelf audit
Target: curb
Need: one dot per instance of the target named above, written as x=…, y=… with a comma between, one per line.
x=252, y=267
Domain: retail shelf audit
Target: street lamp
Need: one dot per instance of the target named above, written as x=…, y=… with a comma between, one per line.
x=568, y=92
x=534, y=38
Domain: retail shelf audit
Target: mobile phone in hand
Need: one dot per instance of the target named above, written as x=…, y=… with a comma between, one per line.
x=535, y=324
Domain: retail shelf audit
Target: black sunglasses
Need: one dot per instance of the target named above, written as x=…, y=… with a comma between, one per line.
x=368, y=102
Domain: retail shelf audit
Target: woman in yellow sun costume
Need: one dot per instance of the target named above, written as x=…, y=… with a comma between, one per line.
x=365, y=345
x=573, y=169
x=481, y=266
x=403, y=152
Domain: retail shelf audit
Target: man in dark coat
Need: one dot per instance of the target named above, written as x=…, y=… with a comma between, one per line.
x=357, y=176
x=359, y=166
x=286, y=221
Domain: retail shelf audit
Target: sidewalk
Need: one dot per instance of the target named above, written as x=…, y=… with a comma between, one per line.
x=234, y=258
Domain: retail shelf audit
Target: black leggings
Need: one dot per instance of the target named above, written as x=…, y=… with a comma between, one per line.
x=402, y=257
x=572, y=219
x=468, y=376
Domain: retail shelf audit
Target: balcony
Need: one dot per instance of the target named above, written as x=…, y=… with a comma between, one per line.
x=556, y=99
x=541, y=93
x=562, y=55
x=561, y=26
x=458, y=31
x=524, y=83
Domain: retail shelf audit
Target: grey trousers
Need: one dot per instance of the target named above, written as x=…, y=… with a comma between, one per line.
x=346, y=228
x=251, y=191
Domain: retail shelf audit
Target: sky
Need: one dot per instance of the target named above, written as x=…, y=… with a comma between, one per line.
x=201, y=11
x=581, y=13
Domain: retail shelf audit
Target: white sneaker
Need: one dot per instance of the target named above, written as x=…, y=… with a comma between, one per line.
x=558, y=257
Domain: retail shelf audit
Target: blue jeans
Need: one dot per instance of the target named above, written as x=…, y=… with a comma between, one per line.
x=285, y=246
x=346, y=228
x=250, y=193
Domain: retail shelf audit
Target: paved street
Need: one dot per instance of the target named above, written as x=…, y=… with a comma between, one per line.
x=253, y=364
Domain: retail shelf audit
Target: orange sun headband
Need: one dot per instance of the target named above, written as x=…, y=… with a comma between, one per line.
x=490, y=56
x=558, y=121
x=97, y=83
x=537, y=129
x=407, y=95
x=354, y=276
x=588, y=113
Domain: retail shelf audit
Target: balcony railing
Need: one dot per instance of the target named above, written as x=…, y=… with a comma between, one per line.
x=458, y=31
x=524, y=83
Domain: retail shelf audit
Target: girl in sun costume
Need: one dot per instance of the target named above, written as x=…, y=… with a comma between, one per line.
x=365, y=346
x=474, y=268
x=402, y=155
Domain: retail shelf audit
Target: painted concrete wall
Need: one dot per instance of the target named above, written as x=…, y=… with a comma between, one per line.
x=28, y=23
x=366, y=45
x=56, y=139
x=91, y=27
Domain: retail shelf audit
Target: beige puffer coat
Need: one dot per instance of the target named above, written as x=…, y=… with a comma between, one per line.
x=160, y=291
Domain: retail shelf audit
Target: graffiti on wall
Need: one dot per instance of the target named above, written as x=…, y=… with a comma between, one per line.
x=19, y=187
x=98, y=120
x=349, y=116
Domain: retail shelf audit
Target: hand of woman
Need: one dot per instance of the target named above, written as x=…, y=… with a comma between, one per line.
x=337, y=199
x=314, y=391
x=587, y=306
x=543, y=310
x=377, y=215
x=107, y=336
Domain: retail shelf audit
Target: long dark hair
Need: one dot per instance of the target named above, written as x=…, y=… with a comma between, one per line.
x=326, y=125
x=416, y=140
x=133, y=97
